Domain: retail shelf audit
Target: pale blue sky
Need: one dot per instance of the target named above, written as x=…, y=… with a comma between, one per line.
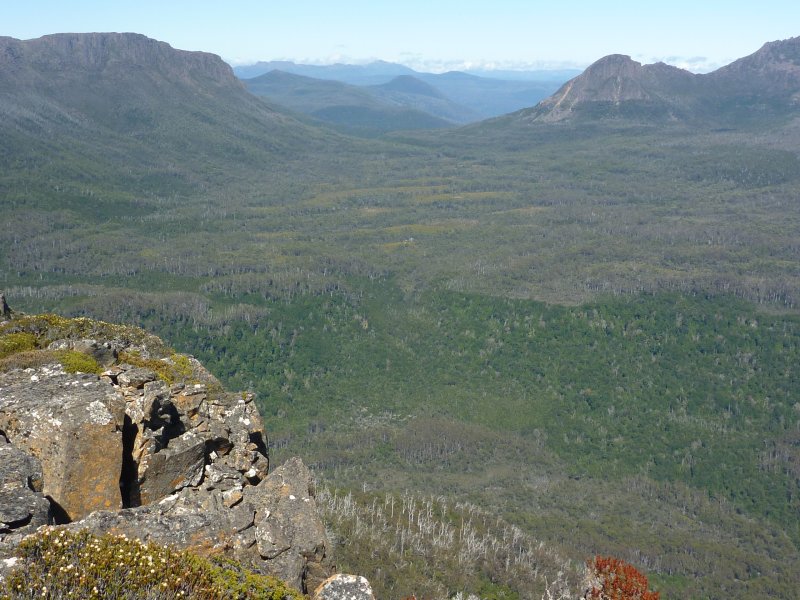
x=429, y=34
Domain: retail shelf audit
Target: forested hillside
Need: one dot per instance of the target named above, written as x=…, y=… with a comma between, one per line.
x=587, y=329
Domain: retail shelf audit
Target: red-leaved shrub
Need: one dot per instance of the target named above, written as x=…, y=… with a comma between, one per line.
x=614, y=579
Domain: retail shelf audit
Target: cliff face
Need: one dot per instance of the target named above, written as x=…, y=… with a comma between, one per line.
x=150, y=446
x=37, y=61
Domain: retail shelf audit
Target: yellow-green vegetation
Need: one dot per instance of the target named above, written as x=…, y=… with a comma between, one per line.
x=56, y=563
x=16, y=342
x=24, y=343
x=78, y=362
x=46, y=328
x=174, y=368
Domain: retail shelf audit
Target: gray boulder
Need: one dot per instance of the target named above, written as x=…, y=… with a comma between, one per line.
x=23, y=507
x=344, y=587
x=289, y=533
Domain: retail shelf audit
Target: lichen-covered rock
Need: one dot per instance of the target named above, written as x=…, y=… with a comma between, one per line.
x=72, y=423
x=178, y=465
x=279, y=535
x=23, y=507
x=344, y=587
x=289, y=532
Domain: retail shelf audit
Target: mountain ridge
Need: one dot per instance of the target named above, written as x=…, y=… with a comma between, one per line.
x=357, y=110
x=617, y=86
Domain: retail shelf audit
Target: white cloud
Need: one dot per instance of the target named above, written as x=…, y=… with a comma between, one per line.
x=695, y=64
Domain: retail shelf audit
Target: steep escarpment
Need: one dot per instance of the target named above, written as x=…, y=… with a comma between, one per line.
x=102, y=427
x=59, y=55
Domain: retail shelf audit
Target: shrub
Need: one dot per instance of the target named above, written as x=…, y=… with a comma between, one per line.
x=75, y=362
x=614, y=579
x=176, y=368
x=57, y=563
x=13, y=343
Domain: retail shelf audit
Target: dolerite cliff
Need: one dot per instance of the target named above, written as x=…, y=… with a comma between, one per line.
x=151, y=447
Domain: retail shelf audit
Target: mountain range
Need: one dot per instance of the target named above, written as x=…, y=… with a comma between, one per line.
x=460, y=97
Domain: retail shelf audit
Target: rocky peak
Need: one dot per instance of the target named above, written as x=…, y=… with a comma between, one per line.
x=615, y=82
x=617, y=86
x=613, y=65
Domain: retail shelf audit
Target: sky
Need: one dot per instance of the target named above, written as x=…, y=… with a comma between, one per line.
x=430, y=35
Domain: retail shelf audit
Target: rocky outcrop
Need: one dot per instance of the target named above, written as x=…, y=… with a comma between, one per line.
x=272, y=528
x=156, y=450
x=288, y=531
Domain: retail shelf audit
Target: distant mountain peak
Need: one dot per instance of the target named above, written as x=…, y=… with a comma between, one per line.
x=408, y=84
x=618, y=86
x=613, y=80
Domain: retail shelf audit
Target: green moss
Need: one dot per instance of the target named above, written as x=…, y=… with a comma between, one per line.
x=57, y=563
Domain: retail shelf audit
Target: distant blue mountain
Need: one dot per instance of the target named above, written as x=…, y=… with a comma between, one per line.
x=480, y=94
x=374, y=73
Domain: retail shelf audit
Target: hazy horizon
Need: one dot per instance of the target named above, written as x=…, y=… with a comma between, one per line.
x=433, y=37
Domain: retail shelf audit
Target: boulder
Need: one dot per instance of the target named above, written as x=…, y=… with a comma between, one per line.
x=23, y=507
x=344, y=587
x=290, y=536
x=72, y=423
x=178, y=465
